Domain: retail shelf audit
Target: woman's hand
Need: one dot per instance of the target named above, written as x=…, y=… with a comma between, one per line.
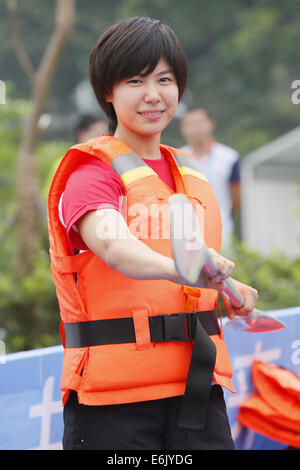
x=250, y=296
x=224, y=267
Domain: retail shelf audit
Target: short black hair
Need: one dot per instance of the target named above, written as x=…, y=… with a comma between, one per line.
x=128, y=48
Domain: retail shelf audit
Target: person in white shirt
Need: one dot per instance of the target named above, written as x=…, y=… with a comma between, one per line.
x=217, y=161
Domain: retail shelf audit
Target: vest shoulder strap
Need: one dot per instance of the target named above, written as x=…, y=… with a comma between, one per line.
x=105, y=147
x=122, y=159
x=186, y=163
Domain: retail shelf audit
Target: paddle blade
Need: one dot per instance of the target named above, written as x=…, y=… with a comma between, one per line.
x=256, y=322
x=188, y=246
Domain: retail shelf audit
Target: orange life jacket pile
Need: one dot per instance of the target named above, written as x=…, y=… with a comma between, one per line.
x=274, y=411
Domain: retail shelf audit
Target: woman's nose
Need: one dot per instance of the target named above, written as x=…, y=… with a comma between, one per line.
x=152, y=94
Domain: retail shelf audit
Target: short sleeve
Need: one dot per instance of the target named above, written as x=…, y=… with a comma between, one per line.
x=235, y=172
x=93, y=185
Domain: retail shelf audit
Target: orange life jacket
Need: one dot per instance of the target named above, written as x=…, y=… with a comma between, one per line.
x=131, y=372
x=275, y=410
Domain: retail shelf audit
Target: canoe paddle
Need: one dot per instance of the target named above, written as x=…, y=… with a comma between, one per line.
x=191, y=256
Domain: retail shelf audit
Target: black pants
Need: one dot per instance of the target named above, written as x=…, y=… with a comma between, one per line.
x=148, y=425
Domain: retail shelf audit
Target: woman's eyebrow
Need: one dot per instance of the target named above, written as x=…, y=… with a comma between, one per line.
x=165, y=71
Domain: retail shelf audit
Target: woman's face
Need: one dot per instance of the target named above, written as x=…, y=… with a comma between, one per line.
x=145, y=105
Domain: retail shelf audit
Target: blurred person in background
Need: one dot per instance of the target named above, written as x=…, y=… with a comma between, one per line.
x=217, y=161
x=90, y=126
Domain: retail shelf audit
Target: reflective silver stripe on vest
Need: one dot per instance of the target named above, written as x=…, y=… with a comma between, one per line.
x=126, y=162
x=131, y=168
x=188, y=166
x=183, y=160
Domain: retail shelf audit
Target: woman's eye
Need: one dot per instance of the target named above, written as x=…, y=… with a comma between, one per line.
x=165, y=79
x=134, y=81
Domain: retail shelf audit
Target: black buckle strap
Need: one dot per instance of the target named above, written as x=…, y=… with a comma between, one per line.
x=181, y=326
x=174, y=327
x=163, y=328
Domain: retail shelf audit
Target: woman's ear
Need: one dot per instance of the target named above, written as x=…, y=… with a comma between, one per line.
x=108, y=98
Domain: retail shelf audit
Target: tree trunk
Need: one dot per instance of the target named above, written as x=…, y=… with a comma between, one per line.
x=27, y=181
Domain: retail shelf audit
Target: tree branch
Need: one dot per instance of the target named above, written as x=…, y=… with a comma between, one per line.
x=64, y=17
x=19, y=49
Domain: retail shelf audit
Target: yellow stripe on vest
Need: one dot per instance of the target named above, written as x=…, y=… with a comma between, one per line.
x=184, y=170
x=136, y=173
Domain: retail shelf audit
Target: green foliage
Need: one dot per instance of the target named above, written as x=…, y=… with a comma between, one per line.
x=29, y=313
x=49, y=154
x=276, y=277
x=11, y=115
x=28, y=307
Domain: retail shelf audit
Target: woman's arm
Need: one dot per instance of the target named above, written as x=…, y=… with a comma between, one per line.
x=106, y=233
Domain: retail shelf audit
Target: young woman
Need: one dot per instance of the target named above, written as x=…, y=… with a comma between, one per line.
x=145, y=359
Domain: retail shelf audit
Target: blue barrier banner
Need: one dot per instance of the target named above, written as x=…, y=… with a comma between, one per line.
x=30, y=397
x=30, y=400
x=281, y=348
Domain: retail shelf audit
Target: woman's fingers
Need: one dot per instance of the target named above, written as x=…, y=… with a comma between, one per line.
x=250, y=296
x=223, y=265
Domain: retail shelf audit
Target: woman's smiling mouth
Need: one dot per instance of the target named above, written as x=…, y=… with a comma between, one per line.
x=151, y=114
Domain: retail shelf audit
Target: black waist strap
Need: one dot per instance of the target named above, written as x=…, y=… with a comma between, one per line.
x=176, y=327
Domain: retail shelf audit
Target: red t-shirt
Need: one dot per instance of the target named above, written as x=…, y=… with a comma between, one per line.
x=94, y=185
